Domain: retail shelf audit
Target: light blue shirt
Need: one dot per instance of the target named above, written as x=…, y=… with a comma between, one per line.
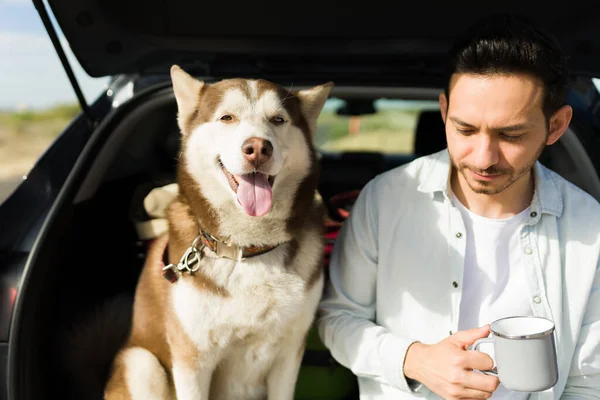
x=396, y=277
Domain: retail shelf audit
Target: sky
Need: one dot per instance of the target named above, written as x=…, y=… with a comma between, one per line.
x=31, y=74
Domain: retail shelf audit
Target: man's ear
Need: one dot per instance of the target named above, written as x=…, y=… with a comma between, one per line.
x=558, y=124
x=443, y=105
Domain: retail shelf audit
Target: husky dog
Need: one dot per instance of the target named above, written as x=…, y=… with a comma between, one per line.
x=226, y=297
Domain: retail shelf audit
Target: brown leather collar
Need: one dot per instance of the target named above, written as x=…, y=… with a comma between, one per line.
x=191, y=258
x=233, y=251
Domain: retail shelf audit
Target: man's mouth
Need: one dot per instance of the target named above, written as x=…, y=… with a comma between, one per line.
x=487, y=177
x=254, y=190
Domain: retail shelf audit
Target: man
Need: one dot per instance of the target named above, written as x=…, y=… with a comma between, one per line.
x=435, y=250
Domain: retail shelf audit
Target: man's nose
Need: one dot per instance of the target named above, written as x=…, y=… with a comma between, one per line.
x=487, y=152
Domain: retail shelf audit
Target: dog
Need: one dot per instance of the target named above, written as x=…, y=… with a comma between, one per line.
x=227, y=296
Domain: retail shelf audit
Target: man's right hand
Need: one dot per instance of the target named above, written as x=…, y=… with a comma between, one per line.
x=446, y=367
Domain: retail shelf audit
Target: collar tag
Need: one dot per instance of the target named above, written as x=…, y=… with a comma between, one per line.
x=233, y=251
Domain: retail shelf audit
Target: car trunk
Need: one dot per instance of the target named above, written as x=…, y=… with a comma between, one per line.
x=89, y=251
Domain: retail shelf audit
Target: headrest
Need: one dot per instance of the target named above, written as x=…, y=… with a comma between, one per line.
x=430, y=134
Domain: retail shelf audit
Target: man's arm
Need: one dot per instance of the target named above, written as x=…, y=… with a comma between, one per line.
x=584, y=376
x=347, y=311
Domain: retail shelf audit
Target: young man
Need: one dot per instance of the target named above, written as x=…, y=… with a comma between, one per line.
x=436, y=250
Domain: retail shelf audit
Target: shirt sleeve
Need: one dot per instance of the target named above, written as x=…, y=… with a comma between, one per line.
x=584, y=376
x=347, y=310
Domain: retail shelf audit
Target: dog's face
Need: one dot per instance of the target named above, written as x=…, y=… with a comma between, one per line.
x=246, y=141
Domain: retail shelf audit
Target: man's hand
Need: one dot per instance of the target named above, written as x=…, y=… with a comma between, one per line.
x=446, y=367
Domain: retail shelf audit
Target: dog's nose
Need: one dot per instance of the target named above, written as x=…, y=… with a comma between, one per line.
x=257, y=150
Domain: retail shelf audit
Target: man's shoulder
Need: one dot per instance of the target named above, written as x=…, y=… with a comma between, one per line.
x=576, y=201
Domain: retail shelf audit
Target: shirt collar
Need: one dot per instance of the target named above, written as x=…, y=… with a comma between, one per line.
x=546, y=198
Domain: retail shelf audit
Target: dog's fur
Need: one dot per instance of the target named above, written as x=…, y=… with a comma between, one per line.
x=232, y=329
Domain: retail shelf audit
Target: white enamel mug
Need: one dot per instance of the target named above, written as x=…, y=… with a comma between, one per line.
x=524, y=352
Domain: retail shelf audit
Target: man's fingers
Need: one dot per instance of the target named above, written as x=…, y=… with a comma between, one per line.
x=478, y=360
x=480, y=382
x=468, y=393
x=468, y=337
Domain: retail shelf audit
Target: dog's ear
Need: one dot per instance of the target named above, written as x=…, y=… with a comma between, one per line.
x=312, y=101
x=187, y=93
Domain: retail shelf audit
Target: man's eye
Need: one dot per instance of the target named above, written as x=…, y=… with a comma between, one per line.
x=512, y=138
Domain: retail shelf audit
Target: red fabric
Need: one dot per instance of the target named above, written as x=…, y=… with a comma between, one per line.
x=339, y=203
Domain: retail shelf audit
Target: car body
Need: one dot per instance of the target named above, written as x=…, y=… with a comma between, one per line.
x=68, y=240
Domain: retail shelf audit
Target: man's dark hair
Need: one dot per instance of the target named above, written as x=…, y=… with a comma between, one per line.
x=504, y=44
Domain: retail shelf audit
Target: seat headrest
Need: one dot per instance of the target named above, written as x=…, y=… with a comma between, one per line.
x=430, y=134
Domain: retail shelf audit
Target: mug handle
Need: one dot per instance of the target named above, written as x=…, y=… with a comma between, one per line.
x=475, y=346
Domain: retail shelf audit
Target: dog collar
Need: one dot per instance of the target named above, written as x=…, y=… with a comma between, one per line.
x=232, y=251
x=190, y=260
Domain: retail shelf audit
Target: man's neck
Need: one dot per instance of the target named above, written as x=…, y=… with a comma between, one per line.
x=505, y=204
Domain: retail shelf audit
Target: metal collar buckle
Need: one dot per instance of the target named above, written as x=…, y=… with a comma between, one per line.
x=190, y=261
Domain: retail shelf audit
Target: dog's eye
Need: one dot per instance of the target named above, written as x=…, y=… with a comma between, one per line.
x=226, y=118
x=278, y=120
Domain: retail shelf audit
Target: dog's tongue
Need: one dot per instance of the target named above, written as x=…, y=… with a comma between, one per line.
x=254, y=194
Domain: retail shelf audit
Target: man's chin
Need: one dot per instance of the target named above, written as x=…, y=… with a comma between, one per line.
x=489, y=188
x=486, y=190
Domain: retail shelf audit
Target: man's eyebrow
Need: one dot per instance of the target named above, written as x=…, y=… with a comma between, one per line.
x=514, y=128
x=508, y=128
x=460, y=122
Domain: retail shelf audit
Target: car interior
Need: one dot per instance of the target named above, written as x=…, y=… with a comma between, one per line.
x=104, y=255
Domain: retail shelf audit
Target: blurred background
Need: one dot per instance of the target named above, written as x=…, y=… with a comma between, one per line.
x=37, y=100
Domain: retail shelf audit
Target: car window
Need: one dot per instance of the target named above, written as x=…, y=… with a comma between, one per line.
x=37, y=100
x=24, y=135
x=389, y=128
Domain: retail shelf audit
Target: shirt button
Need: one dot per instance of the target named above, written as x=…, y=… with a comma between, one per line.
x=528, y=250
x=455, y=284
x=533, y=214
x=458, y=235
x=537, y=300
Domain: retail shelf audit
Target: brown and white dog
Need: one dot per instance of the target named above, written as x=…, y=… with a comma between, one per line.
x=244, y=245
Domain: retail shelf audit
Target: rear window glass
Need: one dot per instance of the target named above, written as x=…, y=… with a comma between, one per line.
x=389, y=128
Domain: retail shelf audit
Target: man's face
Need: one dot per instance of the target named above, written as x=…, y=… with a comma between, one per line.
x=496, y=129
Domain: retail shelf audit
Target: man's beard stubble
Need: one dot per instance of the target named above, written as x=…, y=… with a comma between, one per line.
x=493, y=170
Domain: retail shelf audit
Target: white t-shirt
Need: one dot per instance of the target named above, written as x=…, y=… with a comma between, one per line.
x=494, y=280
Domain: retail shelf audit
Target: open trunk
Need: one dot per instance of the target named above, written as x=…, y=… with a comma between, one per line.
x=381, y=42
x=89, y=252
